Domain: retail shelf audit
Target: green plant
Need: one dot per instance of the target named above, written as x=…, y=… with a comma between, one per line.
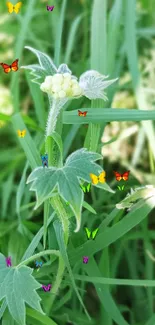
x=65, y=247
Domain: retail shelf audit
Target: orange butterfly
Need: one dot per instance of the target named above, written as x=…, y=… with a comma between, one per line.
x=21, y=134
x=82, y=113
x=123, y=176
x=13, y=67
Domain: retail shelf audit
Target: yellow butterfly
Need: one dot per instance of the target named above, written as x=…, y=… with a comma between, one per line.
x=101, y=178
x=21, y=134
x=14, y=8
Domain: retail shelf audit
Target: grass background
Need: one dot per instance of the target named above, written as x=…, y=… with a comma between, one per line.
x=115, y=38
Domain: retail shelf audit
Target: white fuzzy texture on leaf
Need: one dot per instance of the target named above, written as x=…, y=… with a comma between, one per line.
x=93, y=84
x=18, y=287
x=36, y=71
x=66, y=180
x=63, y=68
x=46, y=65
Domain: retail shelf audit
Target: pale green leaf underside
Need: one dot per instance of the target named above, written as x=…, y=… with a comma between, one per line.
x=17, y=287
x=45, y=68
x=139, y=193
x=66, y=180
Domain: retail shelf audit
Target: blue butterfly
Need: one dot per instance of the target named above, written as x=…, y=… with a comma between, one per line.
x=38, y=264
x=44, y=159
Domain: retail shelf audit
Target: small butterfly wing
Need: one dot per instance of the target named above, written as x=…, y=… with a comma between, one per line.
x=83, y=188
x=125, y=176
x=49, y=287
x=94, y=233
x=88, y=187
x=10, y=7
x=23, y=133
x=17, y=7
x=19, y=133
x=6, y=67
x=94, y=179
x=80, y=113
x=102, y=177
x=118, y=176
x=85, y=113
x=44, y=287
x=14, y=65
x=88, y=232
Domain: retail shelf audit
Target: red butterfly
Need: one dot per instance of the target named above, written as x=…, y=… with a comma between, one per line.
x=13, y=67
x=123, y=176
x=82, y=113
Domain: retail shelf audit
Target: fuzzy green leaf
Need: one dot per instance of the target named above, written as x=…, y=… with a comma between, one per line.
x=66, y=180
x=139, y=193
x=46, y=66
x=17, y=287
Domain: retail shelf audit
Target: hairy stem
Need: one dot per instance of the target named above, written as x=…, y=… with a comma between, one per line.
x=36, y=256
x=57, y=205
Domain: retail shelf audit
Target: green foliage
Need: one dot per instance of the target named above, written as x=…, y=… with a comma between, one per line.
x=116, y=286
x=66, y=180
x=17, y=287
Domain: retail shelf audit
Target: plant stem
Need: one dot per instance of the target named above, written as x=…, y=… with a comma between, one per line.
x=34, y=257
x=57, y=205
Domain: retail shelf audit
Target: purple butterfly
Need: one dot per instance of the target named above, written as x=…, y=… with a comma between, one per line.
x=49, y=8
x=46, y=288
x=8, y=261
x=85, y=259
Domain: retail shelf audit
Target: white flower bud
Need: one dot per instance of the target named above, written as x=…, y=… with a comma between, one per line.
x=62, y=94
x=43, y=87
x=67, y=77
x=74, y=83
x=77, y=91
x=49, y=80
x=56, y=88
x=57, y=78
x=65, y=85
x=56, y=96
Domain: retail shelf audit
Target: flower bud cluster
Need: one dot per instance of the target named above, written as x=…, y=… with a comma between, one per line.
x=61, y=86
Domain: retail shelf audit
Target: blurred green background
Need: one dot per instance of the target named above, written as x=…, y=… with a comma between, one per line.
x=117, y=38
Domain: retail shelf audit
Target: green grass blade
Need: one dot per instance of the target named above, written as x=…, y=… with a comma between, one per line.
x=151, y=321
x=133, y=218
x=46, y=216
x=38, y=100
x=26, y=19
x=71, y=38
x=114, y=35
x=20, y=191
x=99, y=36
x=26, y=143
x=34, y=243
x=96, y=115
x=105, y=295
x=122, y=282
x=88, y=207
x=43, y=319
x=61, y=243
x=59, y=34
x=2, y=308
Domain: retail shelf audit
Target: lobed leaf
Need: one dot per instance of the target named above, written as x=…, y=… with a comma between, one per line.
x=18, y=287
x=66, y=180
x=46, y=66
